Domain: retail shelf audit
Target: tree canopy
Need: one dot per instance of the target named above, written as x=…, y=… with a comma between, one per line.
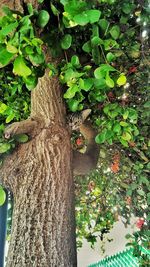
x=101, y=54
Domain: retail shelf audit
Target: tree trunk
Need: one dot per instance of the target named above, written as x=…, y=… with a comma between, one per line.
x=40, y=176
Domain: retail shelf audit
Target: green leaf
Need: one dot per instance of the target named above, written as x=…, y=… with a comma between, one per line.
x=127, y=8
x=81, y=19
x=147, y=104
x=140, y=192
x=11, y=49
x=109, y=134
x=96, y=41
x=21, y=138
x=66, y=41
x=43, y=18
x=64, y=2
x=115, y=32
x=25, y=27
x=99, y=73
x=134, y=186
x=96, y=55
x=7, y=10
x=109, y=44
x=129, y=192
x=95, y=31
x=3, y=108
x=132, y=115
x=114, y=106
x=106, y=109
x=4, y=147
x=75, y=61
x=123, y=20
x=124, y=124
x=136, y=131
x=70, y=93
x=8, y=29
x=100, y=83
x=87, y=47
x=134, y=51
x=87, y=68
x=54, y=10
x=103, y=23
x=29, y=50
x=10, y=117
x=20, y=68
x=88, y=16
x=110, y=57
x=100, y=138
x=144, y=180
x=37, y=42
x=126, y=136
x=93, y=15
x=53, y=69
x=5, y=56
x=117, y=127
x=30, y=8
x=125, y=115
x=110, y=83
x=122, y=80
x=2, y=196
x=2, y=128
x=31, y=81
x=37, y=59
x=73, y=104
x=113, y=114
x=86, y=84
x=110, y=141
x=71, y=74
x=123, y=142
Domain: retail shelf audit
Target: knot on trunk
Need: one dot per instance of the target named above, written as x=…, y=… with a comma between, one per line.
x=56, y=133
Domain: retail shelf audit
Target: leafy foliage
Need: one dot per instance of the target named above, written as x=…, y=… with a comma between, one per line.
x=22, y=62
x=2, y=196
x=104, y=67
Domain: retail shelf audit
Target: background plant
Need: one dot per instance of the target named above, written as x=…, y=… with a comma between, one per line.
x=104, y=67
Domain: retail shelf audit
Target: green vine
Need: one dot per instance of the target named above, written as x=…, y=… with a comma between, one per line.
x=105, y=53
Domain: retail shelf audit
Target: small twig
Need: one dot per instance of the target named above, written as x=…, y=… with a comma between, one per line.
x=103, y=54
x=141, y=154
x=106, y=29
x=58, y=22
x=66, y=57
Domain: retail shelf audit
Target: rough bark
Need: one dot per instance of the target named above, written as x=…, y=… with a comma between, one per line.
x=40, y=176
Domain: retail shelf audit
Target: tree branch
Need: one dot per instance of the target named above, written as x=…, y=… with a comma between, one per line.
x=28, y=126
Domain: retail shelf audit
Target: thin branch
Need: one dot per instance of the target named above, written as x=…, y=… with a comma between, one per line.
x=26, y=126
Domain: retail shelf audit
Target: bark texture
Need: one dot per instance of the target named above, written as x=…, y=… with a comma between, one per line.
x=40, y=176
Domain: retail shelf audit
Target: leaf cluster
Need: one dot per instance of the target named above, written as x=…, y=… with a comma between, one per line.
x=104, y=49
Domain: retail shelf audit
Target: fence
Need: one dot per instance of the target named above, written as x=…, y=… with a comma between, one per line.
x=122, y=259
